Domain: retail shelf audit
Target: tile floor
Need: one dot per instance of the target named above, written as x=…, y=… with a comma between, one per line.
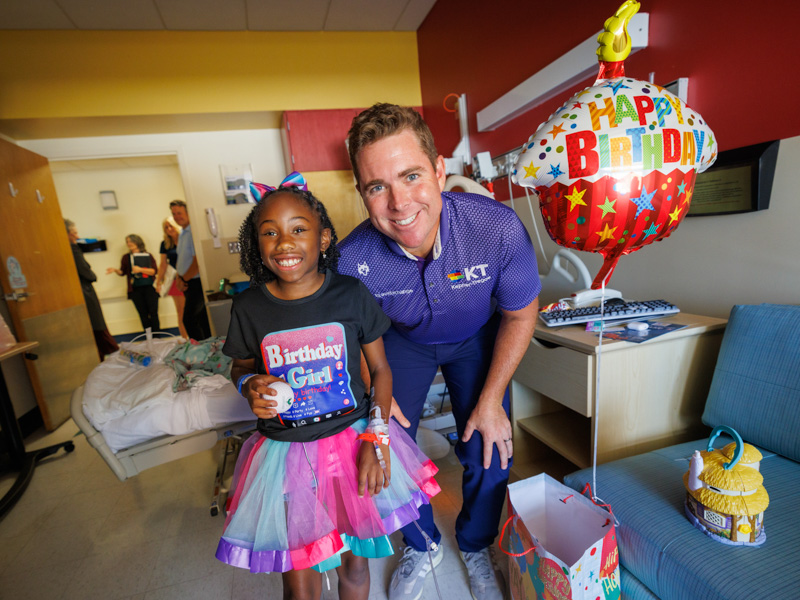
x=79, y=533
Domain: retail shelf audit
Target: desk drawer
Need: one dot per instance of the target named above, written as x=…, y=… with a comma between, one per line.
x=559, y=373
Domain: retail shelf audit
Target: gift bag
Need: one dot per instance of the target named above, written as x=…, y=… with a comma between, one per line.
x=562, y=546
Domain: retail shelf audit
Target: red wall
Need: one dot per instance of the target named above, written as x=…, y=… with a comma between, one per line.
x=740, y=57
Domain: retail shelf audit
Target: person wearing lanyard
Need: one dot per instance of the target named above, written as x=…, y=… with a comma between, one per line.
x=456, y=274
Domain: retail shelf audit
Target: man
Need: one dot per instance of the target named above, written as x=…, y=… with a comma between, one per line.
x=195, y=318
x=456, y=274
x=103, y=339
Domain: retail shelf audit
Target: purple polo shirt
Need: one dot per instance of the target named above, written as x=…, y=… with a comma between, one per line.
x=486, y=262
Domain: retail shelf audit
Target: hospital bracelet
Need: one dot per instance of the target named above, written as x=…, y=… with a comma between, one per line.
x=242, y=381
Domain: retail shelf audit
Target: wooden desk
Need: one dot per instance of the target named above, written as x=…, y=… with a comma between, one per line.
x=17, y=459
x=652, y=394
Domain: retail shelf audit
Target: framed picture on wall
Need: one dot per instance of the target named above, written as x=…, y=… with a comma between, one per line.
x=236, y=183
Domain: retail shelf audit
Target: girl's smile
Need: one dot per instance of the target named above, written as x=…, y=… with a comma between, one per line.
x=290, y=241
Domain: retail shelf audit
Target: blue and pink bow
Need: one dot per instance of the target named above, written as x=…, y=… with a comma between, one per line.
x=293, y=179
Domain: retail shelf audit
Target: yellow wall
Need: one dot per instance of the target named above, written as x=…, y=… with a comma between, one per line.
x=58, y=74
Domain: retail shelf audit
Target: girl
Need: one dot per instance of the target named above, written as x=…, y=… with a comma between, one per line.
x=140, y=271
x=169, y=255
x=318, y=486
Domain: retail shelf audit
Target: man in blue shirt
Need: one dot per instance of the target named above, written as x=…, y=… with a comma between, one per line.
x=195, y=317
x=456, y=274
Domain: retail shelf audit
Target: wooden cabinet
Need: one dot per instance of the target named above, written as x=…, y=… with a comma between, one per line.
x=651, y=394
x=314, y=140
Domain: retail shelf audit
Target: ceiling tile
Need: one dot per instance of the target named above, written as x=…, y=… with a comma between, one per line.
x=33, y=14
x=113, y=14
x=281, y=15
x=203, y=15
x=414, y=14
x=216, y=15
x=363, y=15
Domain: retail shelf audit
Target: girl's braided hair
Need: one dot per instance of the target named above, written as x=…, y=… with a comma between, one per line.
x=250, y=254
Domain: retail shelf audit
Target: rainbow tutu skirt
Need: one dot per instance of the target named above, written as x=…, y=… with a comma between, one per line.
x=296, y=506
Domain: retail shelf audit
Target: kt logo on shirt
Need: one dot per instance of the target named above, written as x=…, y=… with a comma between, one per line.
x=468, y=273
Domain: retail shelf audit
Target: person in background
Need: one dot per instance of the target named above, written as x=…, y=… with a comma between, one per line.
x=456, y=273
x=140, y=282
x=102, y=338
x=169, y=256
x=195, y=318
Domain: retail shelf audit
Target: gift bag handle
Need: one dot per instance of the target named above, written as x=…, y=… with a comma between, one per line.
x=588, y=486
x=500, y=541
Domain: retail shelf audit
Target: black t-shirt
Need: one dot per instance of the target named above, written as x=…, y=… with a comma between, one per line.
x=172, y=254
x=314, y=344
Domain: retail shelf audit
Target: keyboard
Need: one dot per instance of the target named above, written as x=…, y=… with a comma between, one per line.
x=615, y=310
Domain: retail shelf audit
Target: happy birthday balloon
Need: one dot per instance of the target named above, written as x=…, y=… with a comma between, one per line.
x=614, y=168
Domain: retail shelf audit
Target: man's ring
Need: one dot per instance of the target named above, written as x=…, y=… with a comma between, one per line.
x=508, y=440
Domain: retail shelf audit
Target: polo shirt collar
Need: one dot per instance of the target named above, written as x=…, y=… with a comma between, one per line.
x=442, y=235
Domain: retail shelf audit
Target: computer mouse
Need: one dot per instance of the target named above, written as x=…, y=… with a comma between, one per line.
x=637, y=326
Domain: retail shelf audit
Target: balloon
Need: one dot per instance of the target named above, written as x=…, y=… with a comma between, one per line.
x=614, y=168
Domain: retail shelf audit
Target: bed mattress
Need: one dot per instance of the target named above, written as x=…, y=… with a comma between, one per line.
x=131, y=404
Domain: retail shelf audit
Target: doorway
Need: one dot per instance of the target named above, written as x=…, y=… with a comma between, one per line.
x=141, y=187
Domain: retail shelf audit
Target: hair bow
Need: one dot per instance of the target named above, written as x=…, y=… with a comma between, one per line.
x=293, y=179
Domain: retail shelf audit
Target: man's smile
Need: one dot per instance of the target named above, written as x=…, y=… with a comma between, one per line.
x=407, y=221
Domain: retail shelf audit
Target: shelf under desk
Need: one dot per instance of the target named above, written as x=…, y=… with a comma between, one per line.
x=651, y=394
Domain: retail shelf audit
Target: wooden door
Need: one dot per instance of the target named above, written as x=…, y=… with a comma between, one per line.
x=40, y=282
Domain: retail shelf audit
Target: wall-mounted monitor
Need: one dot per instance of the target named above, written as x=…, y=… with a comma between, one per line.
x=739, y=181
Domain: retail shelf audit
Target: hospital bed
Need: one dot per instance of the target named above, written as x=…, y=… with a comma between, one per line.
x=131, y=416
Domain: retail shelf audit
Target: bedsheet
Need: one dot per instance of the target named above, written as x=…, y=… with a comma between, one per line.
x=131, y=404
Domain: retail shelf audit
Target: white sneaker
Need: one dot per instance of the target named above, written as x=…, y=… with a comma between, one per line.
x=408, y=578
x=485, y=579
x=428, y=410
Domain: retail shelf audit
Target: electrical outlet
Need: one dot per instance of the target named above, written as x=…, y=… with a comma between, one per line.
x=233, y=248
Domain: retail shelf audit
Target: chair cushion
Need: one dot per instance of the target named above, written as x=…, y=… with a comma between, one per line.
x=676, y=561
x=756, y=383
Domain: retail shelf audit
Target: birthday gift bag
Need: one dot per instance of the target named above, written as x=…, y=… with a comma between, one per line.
x=562, y=546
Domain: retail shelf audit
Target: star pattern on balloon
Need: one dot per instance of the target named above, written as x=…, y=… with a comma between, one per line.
x=710, y=142
x=616, y=86
x=577, y=105
x=644, y=202
x=556, y=130
x=576, y=198
x=581, y=93
x=607, y=207
x=682, y=188
x=531, y=171
x=675, y=215
x=688, y=197
x=555, y=171
x=607, y=233
x=652, y=230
